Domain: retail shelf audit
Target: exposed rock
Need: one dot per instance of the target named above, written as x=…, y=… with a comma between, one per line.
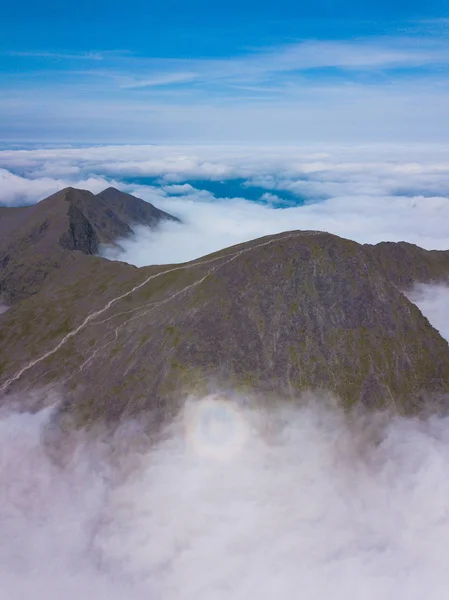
x=80, y=235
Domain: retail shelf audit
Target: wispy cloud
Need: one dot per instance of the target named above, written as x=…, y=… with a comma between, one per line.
x=261, y=64
x=360, y=54
x=56, y=55
x=384, y=88
x=161, y=80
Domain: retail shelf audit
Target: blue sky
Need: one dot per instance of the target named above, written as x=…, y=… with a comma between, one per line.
x=239, y=71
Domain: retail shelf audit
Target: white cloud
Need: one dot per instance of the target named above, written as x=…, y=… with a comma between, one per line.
x=433, y=302
x=234, y=503
x=368, y=194
x=210, y=226
x=270, y=198
x=356, y=54
x=160, y=79
x=57, y=55
x=182, y=189
x=17, y=191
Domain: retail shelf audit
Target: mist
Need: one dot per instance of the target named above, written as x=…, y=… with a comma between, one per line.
x=433, y=302
x=209, y=225
x=232, y=501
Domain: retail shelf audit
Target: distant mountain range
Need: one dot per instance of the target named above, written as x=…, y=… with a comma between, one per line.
x=279, y=315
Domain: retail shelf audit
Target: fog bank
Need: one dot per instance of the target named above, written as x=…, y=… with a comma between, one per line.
x=231, y=502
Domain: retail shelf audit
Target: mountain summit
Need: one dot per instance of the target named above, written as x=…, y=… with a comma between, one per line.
x=38, y=241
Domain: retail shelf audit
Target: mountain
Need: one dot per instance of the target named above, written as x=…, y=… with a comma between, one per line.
x=37, y=242
x=405, y=264
x=278, y=315
x=131, y=210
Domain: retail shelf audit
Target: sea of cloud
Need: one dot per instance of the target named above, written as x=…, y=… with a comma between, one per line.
x=232, y=502
x=367, y=194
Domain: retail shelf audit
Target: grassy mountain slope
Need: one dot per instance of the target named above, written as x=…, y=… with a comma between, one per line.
x=280, y=314
x=405, y=264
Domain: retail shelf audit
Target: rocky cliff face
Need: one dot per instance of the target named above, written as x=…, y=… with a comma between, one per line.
x=80, y=234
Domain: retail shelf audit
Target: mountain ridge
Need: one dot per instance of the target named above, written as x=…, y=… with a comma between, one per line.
x=278, y=315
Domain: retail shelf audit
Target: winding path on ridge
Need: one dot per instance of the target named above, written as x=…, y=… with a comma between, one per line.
x=93, y=315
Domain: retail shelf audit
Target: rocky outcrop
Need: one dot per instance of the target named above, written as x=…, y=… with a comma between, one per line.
x=80, y=234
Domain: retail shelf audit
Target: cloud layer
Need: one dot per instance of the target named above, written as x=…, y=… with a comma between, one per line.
x=231, y=502
x=367, y=194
